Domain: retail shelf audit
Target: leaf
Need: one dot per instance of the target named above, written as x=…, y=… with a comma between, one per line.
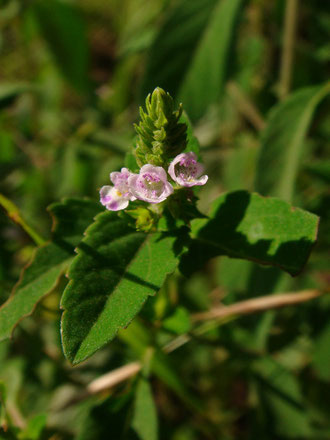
x=70, y=219
x=245, y=225
x=173, y=48
x=282, y=141
x=204, y=80
x=64, y=30
x=115, y=271
x=145, y=421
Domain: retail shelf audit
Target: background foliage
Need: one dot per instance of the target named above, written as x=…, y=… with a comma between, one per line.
x=252, y=76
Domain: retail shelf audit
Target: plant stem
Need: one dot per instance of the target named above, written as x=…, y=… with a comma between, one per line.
x=258, y=305
x=13, y=213
x=289, y=36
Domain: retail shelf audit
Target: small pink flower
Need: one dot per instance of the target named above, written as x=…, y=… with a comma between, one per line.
x=150, y=185
x=117, y=197
x=186, y=171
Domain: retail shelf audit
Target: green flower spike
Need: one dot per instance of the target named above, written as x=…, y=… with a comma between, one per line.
x=160, y=134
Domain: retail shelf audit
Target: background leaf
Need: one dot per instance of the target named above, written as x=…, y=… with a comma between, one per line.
x=63, y=28
x=70, y=219
x=205, y=78
x=282, y=142
x=198, y=45
x=115, y=271
x=145, y=421
x=282, y=400
x=176, y=40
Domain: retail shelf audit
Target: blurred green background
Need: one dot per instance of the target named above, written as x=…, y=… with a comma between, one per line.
x=72, y=77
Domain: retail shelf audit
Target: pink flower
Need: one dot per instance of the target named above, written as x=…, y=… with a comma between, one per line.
x=117, y=197
x=150, y=185
x=186, y=171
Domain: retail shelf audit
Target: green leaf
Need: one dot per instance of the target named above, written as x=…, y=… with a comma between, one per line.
x=64, y=30
x=174, y=46
x=245, y=225
x=115, y=271
x=70, y=219
x=282, y=141
x=145, y=421
x=189, y=57
x=204, y=80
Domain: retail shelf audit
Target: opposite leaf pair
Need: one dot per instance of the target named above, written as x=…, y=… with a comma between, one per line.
x=151, y=184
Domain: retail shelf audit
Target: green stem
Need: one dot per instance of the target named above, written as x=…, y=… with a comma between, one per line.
x=13, y=213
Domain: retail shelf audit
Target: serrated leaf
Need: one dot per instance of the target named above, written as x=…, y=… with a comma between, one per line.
x=115, y=271
x=145, y=422
x=282, y=141
x=245, y=225
x=204, y=80
x=64, y=31
x=70, y=219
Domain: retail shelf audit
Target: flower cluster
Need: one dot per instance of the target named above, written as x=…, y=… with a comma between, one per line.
x=151, y=184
